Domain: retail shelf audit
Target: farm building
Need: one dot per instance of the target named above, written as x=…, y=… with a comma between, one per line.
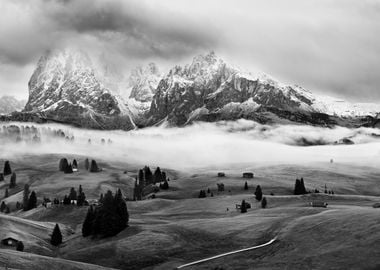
x=248, y=175
x=318, y=204
x=10, y=239
x=221, y=174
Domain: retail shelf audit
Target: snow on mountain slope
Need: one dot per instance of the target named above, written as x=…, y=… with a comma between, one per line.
x=217, y=87
x=9, y=104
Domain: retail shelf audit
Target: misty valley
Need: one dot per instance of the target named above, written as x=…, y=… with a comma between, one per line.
x=165, y=198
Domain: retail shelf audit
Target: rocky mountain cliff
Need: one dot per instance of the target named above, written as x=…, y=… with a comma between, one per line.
x=209, y=89
x=9, y=104
x=67, y=86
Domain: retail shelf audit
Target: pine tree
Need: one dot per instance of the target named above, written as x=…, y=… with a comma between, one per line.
x=56, y=237
x=86, y=164
x=68, y=169
x=6, y=195
x=243, y=207
x=20, y=246
x=1, y=177
x=302, y=187
x=264, y=202
x=141, y=178
x=157, y=177
x=88, y=222
x=94, y=166
x=3, y=206
x=73, y=194
x=75, y=164
x=299, y=187
x=32, y=203
x=148, y=175
x=208, y=190
x=202, y=194
x=258, y=193
x=246, y=186
x=12, y=182
x=63, y=163
x=165, y=185
x=81, y=196
x=7, y=168
x=25, y=198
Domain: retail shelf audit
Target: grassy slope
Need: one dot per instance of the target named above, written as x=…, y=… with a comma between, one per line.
x=177, y=227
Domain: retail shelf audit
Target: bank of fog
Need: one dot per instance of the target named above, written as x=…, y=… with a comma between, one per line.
x=199, y=145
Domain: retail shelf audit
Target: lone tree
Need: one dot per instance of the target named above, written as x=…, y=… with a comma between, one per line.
x=56, y=237
x=299, y=187
x=7, y=168
x=3, y=206
x=87, y=164
x=243, y=207
x=157, y=177
x=1, y=177
x=25, y=198
x=12, y=183
x=63, y=163
x=258, y=193
x=75, y=164
x=264, y=203
x=6, y=195
x=246, y=186
x=94, y=166
x=32, y=203
x=20, y=246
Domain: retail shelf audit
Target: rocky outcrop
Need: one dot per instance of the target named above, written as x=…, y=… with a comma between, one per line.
x=65, y=87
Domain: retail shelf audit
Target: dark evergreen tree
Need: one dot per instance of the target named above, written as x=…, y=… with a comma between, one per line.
x=202, y=194
x=148, y=175
x=208, y=190
x=63, y=163
x=94, y=166
x=56, y=237
x=264, y=202
x=6, y=195
x=157, y=177
x=20, y=246
x=165, y=185
x=7, y=168
x=18, y=205
x=88, y=222
x=68, y=169
x=25, y=197
x=163, y=176
x=66, y=200
x=87, y=164
x=75, y=164
x=141, y=178
x=3, y=206
x=246, y=186
x=12, y=183
x=299, y=187
x=101, y=198
x=258, y=193
x=81, y=197
x=7, y=210
x=32, y=203
x=1, y=177
x=73, y=194
x=243, y=207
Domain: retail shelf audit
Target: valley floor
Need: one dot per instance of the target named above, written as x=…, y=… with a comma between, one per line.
x=177, y=227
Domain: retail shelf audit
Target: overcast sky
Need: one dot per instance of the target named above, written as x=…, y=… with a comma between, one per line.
x=325, y=46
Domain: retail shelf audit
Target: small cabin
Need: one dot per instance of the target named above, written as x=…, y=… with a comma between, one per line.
x=318, y=204
x=221, y=174
x=10, y=240
x=247, y=205
x=248, y=175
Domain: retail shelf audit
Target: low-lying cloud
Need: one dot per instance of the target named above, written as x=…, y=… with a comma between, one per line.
x=240, y=143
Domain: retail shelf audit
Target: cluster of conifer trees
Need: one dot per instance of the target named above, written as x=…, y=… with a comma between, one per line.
x=7, y=170
x=79, y=197
x=299, y=187
x=29, y=200
x=108, y=218
x=66, y=167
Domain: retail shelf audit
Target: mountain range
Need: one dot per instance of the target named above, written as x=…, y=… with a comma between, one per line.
x=9, y=104
x=68, y=86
